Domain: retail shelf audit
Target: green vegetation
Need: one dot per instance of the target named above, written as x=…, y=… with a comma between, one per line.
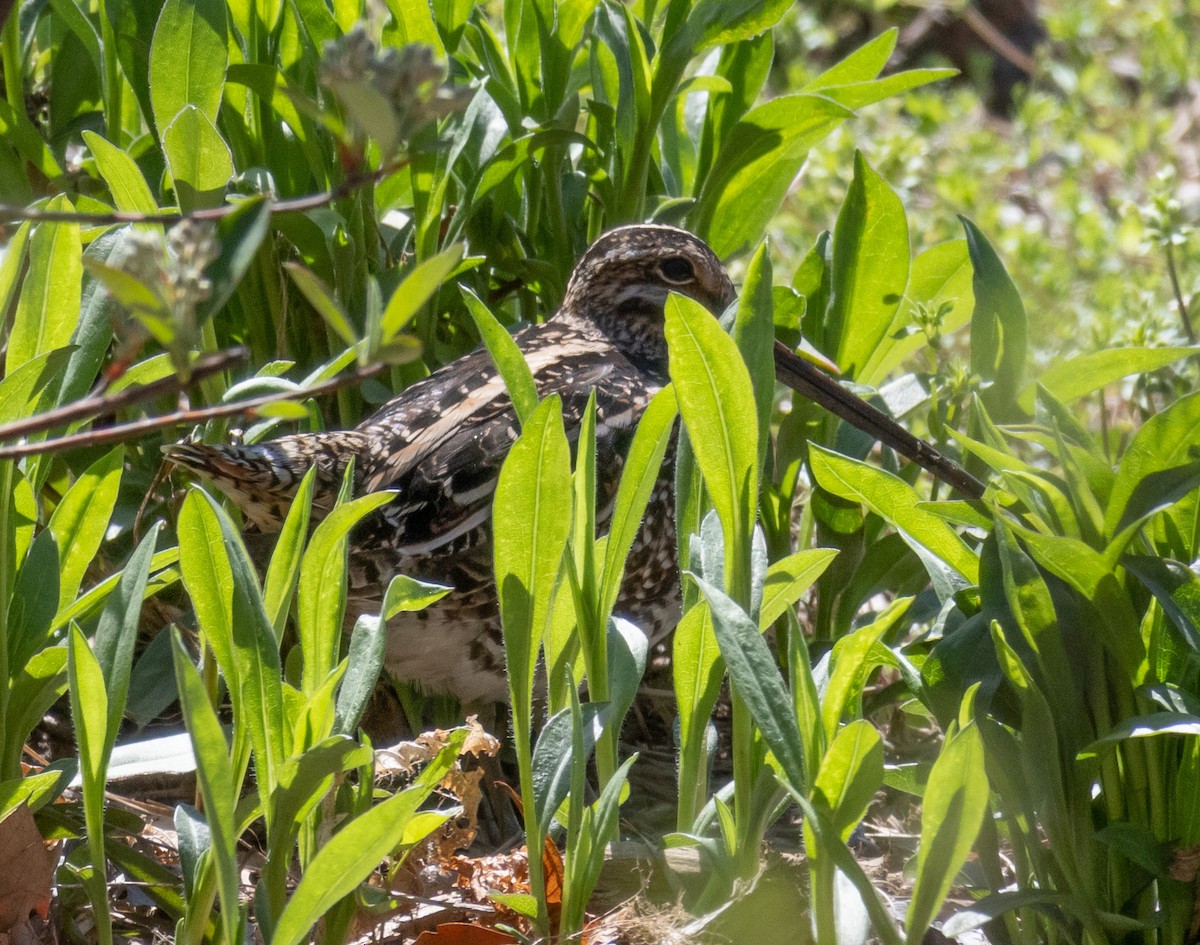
x=370, y=193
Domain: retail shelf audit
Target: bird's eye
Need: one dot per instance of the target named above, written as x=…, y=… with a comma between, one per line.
x=677, y=270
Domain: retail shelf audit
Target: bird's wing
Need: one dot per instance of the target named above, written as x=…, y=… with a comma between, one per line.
x=449, y=439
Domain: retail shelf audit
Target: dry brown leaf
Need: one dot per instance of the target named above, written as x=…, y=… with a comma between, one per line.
x=28, y=874
x=464, y=933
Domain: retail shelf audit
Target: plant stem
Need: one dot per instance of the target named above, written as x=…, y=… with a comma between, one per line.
x=14, y=80
x=113, y=86
x=1173, y=274
x=9, y=767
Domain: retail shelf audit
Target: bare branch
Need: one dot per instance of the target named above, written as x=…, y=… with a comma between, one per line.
x=101, y=403
x=128, y=431
x=8, y=212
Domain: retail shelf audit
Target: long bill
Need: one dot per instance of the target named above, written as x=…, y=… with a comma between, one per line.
x=809, y=381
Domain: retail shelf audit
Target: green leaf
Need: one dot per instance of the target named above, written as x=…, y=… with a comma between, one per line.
x=643, y=464
x=20, y=390
x=850, y=774
x=716, y=401
x=862, y=65
x=952, y=812
x=215, y=774
x=851, y=664
x=321, y=602
x=788, y=579
x=940, y=277
x=284, y=569
x=531, y=525
x=896, y=502
x=116, y=631
x=412, y=22
x=870, y=272
x=81, y=520
x=50, y=294
x=1166, y=441
x=754, y=333
x=418, y=287
x=199, y=160
x=356, y=850
x=124, y=178
x=34, y=596
x=506, y=355
x=860, y=94
x=321, y=298
x=553, y=756
x=998, y=326
x=753, y=672
x=36, y=686
x=188, y=56
x=1068, y=379
x=756, y=167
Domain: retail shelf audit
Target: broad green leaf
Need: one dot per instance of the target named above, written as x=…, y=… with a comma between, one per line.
x=228, y=602
x=716, y=402
x=33, y=790
x=128, y=187
x=321, y=601
x=1071, y=378
x=998, y=326
x=355, y=851
x=851, y=772
x=20, y=390
x=862, y=65
x=788, y=579
x=81, y=520
x=860, y=94
x=36, y=686
x=215, y=774
x=199, y=159
x=940, y=276
x=553, y=756
x=12, y=265
x=368, y=643
x=284, y=569
x=755, y=169
x=852, y=662
x=896, y=502
x=321, y=298
x=116, y=632
x=753, y=672
x=506, y=355
x=50, y=294
x=531, y=526
x=208, y=577
x=952, y=811
x=89, y=718
x=33, y=604
x=1166, y=441
x=643, y=464
x=187, y=61
x=754, y=333
x=239, y=233
x=412, y=22
x=418, y=287
x=1145, y=726
x=870, y=272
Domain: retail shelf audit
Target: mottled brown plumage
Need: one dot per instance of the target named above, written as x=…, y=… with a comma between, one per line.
x=441, y=442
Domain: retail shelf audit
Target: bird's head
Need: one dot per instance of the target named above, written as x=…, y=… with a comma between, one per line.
x=620, y=286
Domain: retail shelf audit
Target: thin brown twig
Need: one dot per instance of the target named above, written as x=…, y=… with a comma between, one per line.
x=126, y=431
x=982, y=27
x=101, y=403
x=9, y=213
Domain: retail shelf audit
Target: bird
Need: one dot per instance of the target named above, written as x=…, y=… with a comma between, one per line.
x=441, y=442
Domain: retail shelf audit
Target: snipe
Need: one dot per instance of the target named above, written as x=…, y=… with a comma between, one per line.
x=441, y=443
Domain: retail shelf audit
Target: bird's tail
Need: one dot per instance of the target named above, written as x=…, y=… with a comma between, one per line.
x=263, y=479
